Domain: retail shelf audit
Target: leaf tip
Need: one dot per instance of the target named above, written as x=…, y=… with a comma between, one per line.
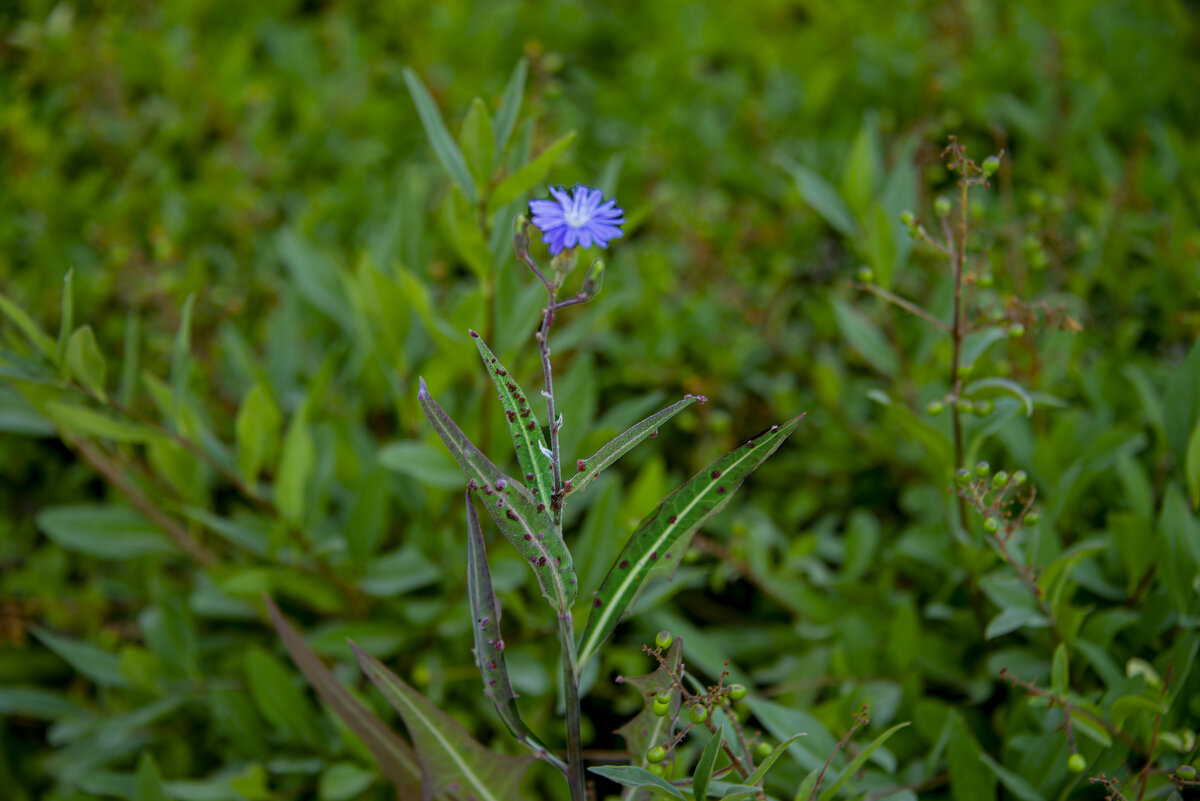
x=422, y=390
x=473, y=333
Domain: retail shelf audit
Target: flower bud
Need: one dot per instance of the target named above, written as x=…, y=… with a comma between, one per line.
x=521, y=234
x=908, y=219
x=999, y=480
x=991, y=525
x=962, y=476
x=1020, y=477
x=593, y=280
x=664, y=639
x=1186, y=772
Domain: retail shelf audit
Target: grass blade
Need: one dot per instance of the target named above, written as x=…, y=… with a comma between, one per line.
x=523, y=424
x=621, y=444
x=658, y=544
x=489, y=645
x=451, y=760
x=396, y=758
x=444, y=146
x=521, y=518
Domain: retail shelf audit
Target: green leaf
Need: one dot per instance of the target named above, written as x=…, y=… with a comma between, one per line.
x=702, y=776
x=478, y=141
x=280, y=701
x=1127, y=706
x=856, y=764
x=1060, y=671
x=343, y=781
x=66, y=318
x=33, y=702
x=592, y=466
x=647, y=729
x=1013, y=618
x=443, y=145
x=515, y=510
x=659, y=542
x=423, y=461
x=129, y=358
x=528, y=442
x=181, y=362
x=529, y=176
x=1090, y=728
x=89, y=660
x=638, y=778
x=82, y=420
x=760, y=772
x=881, y=245
x=821, y=196
x=970, y=780
x=1005, y=385
x=368, y=518
x=510, y=106
x=1193, y=466
x=865, y=337
x=85, y=362
x=17, y=316
x=863, y=170
x=450, y=758
x=1018, y=786
x=148, y=784
x=257, y=427
x=395, y=757
x=489, y=644
x=461, y=227
x=103, y=531
x=296, y=465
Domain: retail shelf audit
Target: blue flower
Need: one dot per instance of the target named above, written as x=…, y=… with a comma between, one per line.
x=576, y=219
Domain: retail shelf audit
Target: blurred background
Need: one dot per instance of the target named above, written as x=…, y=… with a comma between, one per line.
x=266, y=161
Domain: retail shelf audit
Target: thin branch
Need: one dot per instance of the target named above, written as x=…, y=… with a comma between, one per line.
x=905, y=304
x=860, y=720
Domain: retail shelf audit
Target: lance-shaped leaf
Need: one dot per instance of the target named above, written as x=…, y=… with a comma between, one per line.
x=523, y=424
x=620, y=445
x=659, y=542
x=489, y=645
x=451, y=760
x=522, y=519
x=647, y=729
x=638, y=779
x=704, y=766
x=396, y=758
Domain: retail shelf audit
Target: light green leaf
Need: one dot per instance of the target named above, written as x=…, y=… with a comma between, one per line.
x=478, y=142
x=85, y=362
x=296, y=464
x=510, y=106
x=1060, y=671
x=863, y=170
x=343, y=781
x=395, y=757
x=529, y=176
x=659, y=542
x=528, y=442
x=443, y=145
x=423, y=461
x=280, y=701
x=591, y=467
x=103, y=531
x=450, y=758
x=40, y=339
x=638, y=778
x=1090, y=728
x=1014, y=618
x=702, y=775
x=856, y=764
x=821, y=196
x=865, y=337
x=257, y=427
x=1181, y=404
x=1006, y=385
x=514, y=509
x=1127, y=706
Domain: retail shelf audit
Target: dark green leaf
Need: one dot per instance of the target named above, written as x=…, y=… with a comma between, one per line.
x=821, y=196
x=702, y=775
x=638, y=778
x=148, y=785
x=90, y=660
x=280, y=701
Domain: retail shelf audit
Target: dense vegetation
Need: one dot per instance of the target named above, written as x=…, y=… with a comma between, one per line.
x=264, y=253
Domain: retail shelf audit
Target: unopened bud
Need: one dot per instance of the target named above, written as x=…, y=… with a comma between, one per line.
x=990, y=165
x=521, y=234
x=593, y=280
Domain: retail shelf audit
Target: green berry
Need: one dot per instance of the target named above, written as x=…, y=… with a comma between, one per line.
x=934, y=408
x=657, y=769
x=1186, y=772
x=661, y=710
x=962, y=476
x=1020, y=477
x=982, y=469
x=991, y=525
x=990, y=165
x=1032, y=518
x=1039, y=260
x=656, y=754
x=908, y=218
x=986, y=281
x=763, y=750
x=965, y=370
x=983, y=408
x=1077, y=763
x=1016, y=330
x=663, y=696
x=942, y=206
x=1000, y=479
x=697, y=714
x=664, y=639
x=866, y=274
x=964, y=405
x=737, y=691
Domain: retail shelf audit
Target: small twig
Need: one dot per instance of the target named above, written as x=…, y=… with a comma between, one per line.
x=178, y=534
x=903, y=303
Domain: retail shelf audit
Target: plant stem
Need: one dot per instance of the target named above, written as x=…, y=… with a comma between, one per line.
x=575, y=778
x=543, y=339
x=958, y=255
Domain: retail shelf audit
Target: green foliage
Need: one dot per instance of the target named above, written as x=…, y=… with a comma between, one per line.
x=273, y=218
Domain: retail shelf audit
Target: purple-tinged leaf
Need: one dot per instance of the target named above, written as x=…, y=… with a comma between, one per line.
x=589, y=468
x=451, y=760
x=528, y=442
x=524, y=521
x=489, y=644
x=396, y=758
x=659, y=542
